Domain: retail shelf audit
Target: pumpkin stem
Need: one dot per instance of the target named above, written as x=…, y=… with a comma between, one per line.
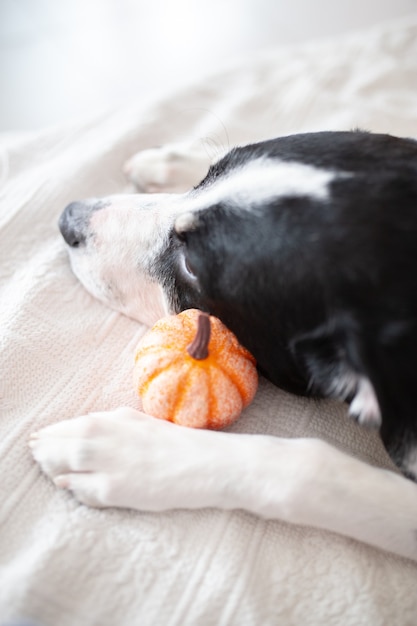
x=198, y=348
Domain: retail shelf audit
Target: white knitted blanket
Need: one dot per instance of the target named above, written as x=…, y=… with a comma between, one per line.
x=64, y=354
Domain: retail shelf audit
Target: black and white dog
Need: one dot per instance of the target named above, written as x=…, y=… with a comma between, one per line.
x=306, y=247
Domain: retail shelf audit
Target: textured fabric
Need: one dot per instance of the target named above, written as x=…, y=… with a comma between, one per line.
x=64, y=354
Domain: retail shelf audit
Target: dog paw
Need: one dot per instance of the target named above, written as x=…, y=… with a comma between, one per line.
x=170, y=169
x=364, y=407
x=125, y=458
x=77, y=455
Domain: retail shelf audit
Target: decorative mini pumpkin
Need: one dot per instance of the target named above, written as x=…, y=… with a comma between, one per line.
x=191, y=370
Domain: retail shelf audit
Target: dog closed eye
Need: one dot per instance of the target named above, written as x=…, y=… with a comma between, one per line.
x=186, y=265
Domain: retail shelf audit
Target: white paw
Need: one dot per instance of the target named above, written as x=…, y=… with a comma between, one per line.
x=364, y=407
x=125, y=458
x=171, y=169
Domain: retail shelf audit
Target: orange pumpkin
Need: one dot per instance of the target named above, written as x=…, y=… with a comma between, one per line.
x=191, y=370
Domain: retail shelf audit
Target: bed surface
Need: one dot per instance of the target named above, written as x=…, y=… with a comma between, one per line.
x=64, y=354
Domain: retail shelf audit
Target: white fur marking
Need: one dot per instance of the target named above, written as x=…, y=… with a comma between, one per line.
x=365, y=405
x=410, y=461
x=260, y=181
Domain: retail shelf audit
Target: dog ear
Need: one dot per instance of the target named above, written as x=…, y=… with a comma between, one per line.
x=185, y=223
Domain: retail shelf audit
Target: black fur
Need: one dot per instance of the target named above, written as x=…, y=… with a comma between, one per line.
x=311, y=287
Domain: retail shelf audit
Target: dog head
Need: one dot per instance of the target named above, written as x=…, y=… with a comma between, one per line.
x=145, y=255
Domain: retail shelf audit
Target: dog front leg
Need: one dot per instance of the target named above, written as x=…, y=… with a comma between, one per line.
x=127, y=459
x=328, y=489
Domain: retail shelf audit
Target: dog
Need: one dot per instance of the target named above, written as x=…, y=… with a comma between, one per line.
x=305, y=246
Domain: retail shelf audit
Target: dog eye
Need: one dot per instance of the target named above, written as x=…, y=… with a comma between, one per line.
x=188, y=267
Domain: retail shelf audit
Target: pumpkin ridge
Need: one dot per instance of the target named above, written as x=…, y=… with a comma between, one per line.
x=179, y=397
x=235, y=380
x=229, y=344
x=220, y=418
x=187, y=384
x=225, y=341
x=151, y=377
x=210, y=394
x=156, y=346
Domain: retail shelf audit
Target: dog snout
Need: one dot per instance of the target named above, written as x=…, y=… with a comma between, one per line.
x=74, y=222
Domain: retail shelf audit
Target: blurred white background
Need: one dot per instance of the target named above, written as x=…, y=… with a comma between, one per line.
x=61, y=59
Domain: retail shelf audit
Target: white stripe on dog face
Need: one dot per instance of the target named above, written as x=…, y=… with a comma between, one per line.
x=260, y=181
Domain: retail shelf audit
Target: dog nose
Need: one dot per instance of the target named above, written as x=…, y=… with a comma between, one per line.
x=74, y=222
